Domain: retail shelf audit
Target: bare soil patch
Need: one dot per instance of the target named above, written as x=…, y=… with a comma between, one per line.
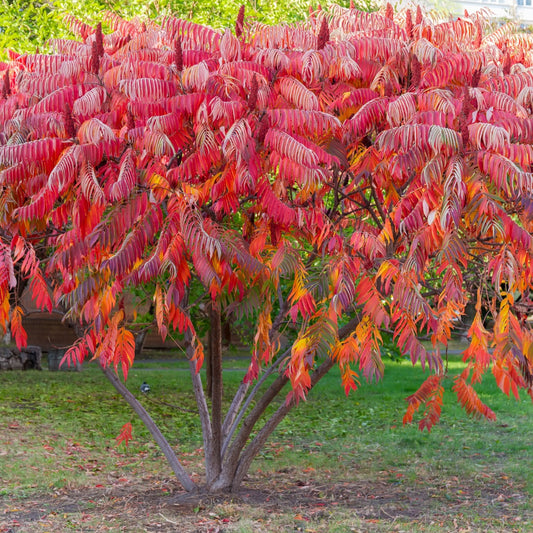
x=268, y=501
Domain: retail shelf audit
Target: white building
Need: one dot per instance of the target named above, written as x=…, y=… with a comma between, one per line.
x=519, y=10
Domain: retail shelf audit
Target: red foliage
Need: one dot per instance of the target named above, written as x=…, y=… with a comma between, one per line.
x=419, y=17
x=470, y=401
x=479, y=34
x=323, y=34
x=239, y=23
x=125, y=434
x=409, y=23
x=321, y=175
x=17, y=330
x=429, y=393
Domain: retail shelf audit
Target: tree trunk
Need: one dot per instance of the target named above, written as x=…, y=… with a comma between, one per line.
x=236, y=466
x=140, y=338
x=271, y=424
x=208, y=364
x=238, y=457
x=226, y=332
x=226, y=466
x=216, y=391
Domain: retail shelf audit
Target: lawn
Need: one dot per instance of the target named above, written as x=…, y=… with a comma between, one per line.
x=336, y=464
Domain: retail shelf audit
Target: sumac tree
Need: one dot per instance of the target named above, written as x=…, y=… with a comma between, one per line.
x=334, y=178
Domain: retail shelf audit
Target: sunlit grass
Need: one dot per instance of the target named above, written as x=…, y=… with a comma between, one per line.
x=58, y=430
x=366, y=428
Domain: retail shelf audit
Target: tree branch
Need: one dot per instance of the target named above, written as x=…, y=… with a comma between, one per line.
x=271, y=424
x=236, y=462
x=233, y=408
x=228, y=435
x=181, y=474
x=229, y=426
x=232, y=455
x=198, y=389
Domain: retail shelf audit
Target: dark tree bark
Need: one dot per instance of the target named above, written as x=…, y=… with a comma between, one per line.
x=216, y=389
x=226, y=332
x=140, y=339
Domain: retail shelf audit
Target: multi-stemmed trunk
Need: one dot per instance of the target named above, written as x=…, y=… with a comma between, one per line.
x=228, y=446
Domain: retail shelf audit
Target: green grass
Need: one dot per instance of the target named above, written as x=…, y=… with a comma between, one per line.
x=58, y=430
x=369, y=423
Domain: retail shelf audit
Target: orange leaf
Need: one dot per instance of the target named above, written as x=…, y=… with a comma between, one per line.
x=4, y=310
x=198, y=355
x=430, y=393
x=124, y=350
x=470, y=401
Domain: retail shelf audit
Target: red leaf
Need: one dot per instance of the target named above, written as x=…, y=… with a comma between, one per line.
x=76, y=353
x=125, y=434
x=430, y=393
x=39, y=292
x=126, y=178
x=17, y=330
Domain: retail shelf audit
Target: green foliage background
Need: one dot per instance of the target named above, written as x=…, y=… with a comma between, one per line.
x=27, y=24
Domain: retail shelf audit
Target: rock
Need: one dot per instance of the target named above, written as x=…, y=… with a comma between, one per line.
x=54, y=361
x=25, y=359
x=5, y=358
x=31, y=357
x=15, y=362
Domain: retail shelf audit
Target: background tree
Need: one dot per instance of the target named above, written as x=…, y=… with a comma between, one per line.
x=328, y=180
x=27, y=25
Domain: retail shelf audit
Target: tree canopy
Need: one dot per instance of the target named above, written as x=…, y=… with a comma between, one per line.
x=329, y=180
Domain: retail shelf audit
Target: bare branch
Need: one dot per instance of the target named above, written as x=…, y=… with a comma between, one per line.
x=272, y=423
x=181, y=474
x=198, y=389
x=228, y=436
